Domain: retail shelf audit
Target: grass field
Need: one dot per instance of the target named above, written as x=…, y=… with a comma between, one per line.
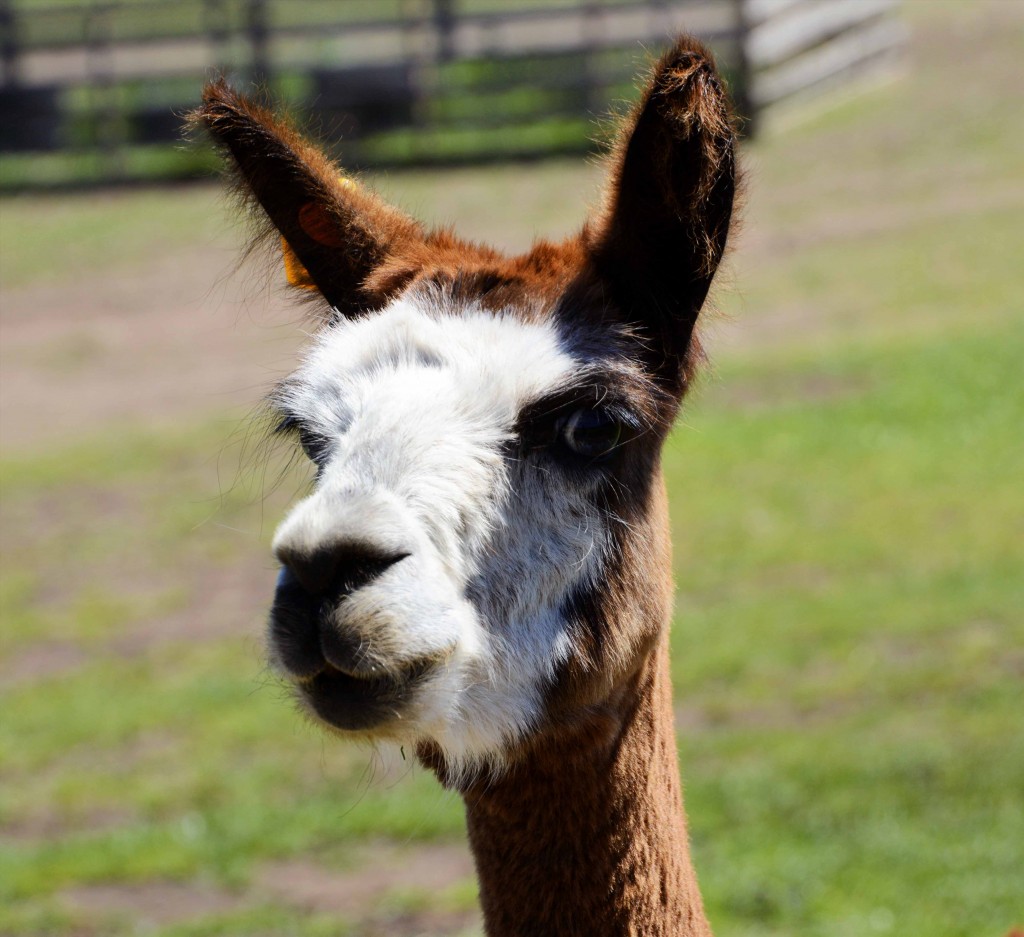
x=849, y=530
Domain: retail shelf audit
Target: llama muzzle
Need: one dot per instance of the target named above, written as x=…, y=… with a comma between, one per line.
x=337, y=671
x=355, y=625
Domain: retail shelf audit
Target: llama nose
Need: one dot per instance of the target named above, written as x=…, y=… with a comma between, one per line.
x=336, y=569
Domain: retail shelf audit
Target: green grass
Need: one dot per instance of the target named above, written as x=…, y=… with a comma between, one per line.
x=848, y=643
x=77, y=236
x=84, y=167
x=60, y=237
x=849, y=532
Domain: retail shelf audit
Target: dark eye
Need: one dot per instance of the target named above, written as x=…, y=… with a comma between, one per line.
x=313, y=444
x=589, y=433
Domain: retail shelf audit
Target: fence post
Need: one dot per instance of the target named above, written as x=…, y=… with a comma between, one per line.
x=8, y=43
x=593, y=32
x=743, y=94
x=218, y=30
x=444, y=24
x=259, y=41
x=108, y=121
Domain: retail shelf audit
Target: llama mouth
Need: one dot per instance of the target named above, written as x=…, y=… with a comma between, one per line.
x=355, y=703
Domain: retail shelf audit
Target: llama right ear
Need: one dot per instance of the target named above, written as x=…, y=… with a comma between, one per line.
x=663, y=230
x=337, y=232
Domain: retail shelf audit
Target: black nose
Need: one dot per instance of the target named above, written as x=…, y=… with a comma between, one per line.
x=309, y=587
x=337, y=569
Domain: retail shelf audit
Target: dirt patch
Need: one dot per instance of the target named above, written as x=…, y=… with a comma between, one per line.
x=362, y=895
x=761, y=247
x=53, y=825
x=181, y=336
x=774, y=391
x=226, y=600
x=424, y=924
x=359, y=891
x=149, y=904
x=355, y=897
x=43, y=661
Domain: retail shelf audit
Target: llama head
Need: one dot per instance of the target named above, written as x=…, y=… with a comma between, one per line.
x=483, y=559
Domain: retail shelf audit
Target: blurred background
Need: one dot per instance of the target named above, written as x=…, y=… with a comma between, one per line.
x=847, y=506
x=93, y=91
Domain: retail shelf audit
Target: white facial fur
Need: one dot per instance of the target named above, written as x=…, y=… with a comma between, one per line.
x=417, y=405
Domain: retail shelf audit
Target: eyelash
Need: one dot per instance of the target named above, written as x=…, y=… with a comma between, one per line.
x=313, y=444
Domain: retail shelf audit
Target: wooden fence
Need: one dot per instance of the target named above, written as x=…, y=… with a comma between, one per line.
x=93, y=91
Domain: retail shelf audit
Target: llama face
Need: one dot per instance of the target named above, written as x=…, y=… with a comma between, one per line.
x=484, y=555
x=463, y=459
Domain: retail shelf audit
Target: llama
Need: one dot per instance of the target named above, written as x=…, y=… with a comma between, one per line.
x=482, y=568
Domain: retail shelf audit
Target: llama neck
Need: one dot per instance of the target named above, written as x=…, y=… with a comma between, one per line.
x=590, y=838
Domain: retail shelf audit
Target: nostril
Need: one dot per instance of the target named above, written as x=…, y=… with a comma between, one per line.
x=312, y=572
x=336, y=569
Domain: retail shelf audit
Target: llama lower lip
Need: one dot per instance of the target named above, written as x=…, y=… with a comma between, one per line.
x=357, y=704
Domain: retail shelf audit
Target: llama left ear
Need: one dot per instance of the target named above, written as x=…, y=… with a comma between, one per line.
x=335, y=232
x=661, y=235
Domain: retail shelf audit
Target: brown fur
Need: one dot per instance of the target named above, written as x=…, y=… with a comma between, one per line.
x=584, y=831
x=288, y=178
x=590, y=838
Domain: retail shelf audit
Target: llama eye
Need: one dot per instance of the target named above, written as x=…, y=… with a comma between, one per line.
x=314, y=445
x=589, y=433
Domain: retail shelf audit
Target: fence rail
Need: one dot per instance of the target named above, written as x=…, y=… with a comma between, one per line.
x=100, y=85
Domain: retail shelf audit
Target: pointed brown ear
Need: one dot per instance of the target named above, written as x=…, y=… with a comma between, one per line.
x=338, y=231
x=663, y=230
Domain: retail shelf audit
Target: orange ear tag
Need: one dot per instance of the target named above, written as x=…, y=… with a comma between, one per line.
x=297, y=274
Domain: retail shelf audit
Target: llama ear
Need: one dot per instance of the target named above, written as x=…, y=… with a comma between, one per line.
x=663, y=229
x=335, y=232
